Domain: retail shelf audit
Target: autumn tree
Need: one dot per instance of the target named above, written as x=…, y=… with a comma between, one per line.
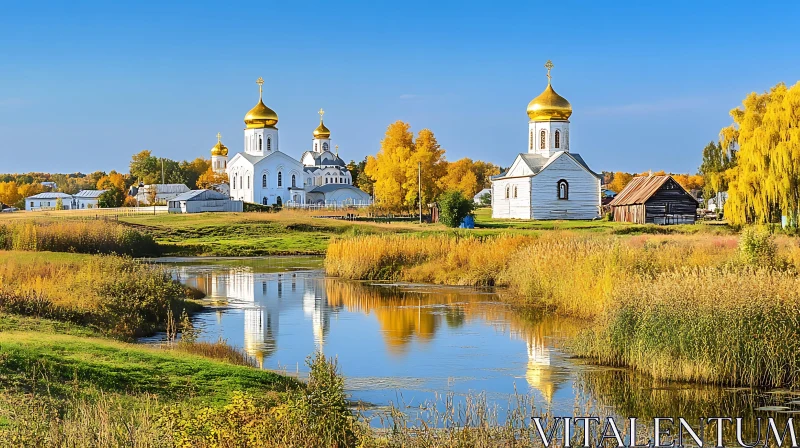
x=211, y=178
x=9, y=194
x=764, y=185
x=461, y=177
x=394, y=169
x=193, y=170
x=112, y=180
x=619, y=181
x=716, y=161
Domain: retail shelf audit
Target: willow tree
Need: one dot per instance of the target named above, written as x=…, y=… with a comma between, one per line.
x=765, y=183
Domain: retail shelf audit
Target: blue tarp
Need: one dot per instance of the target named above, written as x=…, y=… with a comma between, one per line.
x=467, y=223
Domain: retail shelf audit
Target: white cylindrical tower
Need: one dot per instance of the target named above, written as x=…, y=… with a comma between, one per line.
x=548, y=125
x=260, y=134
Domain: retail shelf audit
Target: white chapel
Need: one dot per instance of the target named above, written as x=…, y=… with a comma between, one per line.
x=548, y=181
x=266, y=175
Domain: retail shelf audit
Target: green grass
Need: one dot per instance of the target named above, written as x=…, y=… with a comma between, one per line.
x=61, y=364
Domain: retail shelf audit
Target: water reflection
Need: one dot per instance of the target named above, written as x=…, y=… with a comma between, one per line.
x=406, y=344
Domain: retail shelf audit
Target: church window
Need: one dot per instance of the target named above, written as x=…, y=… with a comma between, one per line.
x=294, y=180
x=542, y=140
x=264, y=200
x=324, y=146
x=248, y=181
x=508, y=192
x=515, y=191
x=269, y=144
x=225, y=163
x=280, y=179
x=315, y=146
x=234, y=182
x=260, y=141
x=530, y=143
x=558, y=139
x=264, y=181
x=563, y=189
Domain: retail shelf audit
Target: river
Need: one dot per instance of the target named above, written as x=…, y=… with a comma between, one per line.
x=413, y=345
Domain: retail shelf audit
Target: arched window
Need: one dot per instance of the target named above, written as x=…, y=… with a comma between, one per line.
x=515, y=191
x=226, y=164
x=315, y=146
x=234, y=182
x=241, y=183
x=264, y=201
x=279, y=201
x=269, y=143
x=294, y=184
x=530, y=143
x=248, y=181
x=557, y=139
x=563, y=189
x=280, y=179
x=264, y=181
x=508, y=191
x=542, y=140
x=260, y=146
x=324, y=146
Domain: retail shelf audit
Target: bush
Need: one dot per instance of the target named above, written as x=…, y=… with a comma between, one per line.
x=757, y=247
x=453, y=208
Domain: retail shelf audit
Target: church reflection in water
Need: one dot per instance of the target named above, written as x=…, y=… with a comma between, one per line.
x=408, y=318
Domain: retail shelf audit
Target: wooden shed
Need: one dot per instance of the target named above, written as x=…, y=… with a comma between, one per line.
x=654, y=200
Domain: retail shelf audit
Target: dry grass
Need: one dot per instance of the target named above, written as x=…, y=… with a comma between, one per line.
x=219, y=350
x=78, y=236
x=119, y=296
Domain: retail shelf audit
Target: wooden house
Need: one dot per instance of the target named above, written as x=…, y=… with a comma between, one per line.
x=654, y=200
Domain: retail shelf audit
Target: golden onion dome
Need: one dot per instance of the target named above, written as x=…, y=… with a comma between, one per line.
x=549, y=105
x=321, y=131
x=260, y=116
x=219, y=149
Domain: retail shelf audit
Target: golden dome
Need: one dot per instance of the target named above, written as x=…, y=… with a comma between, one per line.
x=549, y=105
x=219, y=149
x=321, y=131
x=260, y=116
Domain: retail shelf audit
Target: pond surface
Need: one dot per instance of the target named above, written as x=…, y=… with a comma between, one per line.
x=414, y=344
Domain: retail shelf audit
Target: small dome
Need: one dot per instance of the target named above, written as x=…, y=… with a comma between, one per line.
x=549, y=106
x=260, y=116
x=219, y=149
x=321, y=131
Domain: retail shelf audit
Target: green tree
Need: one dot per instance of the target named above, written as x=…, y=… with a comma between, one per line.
x=716, y=160
x=453, y=208
x=113, y=197
x=59, y=204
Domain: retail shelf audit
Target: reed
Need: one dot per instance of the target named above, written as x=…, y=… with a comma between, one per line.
x=77, y=236
x=711, y=309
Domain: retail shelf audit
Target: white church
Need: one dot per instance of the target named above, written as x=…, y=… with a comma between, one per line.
x=548, y=181
x=266, y=175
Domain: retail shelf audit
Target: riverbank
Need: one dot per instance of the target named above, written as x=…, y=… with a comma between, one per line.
x=719, y=310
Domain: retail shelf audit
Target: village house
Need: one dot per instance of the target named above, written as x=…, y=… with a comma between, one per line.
x=201, y=201
x=163, y=193
x=654, y=200
x=86, y=199
x=48, y=201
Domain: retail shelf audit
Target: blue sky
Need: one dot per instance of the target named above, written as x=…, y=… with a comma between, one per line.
x=84, y=85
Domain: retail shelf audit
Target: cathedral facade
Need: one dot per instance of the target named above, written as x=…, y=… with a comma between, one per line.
x=264, y=174
x=548, y=181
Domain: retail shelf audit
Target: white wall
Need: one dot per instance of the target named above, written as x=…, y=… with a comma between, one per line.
x=549, y=128
x=514, y=207
x=584, y=192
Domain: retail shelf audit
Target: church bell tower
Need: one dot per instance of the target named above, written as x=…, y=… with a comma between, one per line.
x=548, y=125
x=322, y=136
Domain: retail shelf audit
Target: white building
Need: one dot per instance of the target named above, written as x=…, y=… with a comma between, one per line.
x=86, y=199
x=478, y=198
x=548, y=181
x=201, y=201
x=266, y=175
x=48, y=201
x=163, y=193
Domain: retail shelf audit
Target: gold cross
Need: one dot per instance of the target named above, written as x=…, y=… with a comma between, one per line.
x=219, y=137
x=321, y=113
x=337, y=149
x=260, y=82
x=549, y=66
